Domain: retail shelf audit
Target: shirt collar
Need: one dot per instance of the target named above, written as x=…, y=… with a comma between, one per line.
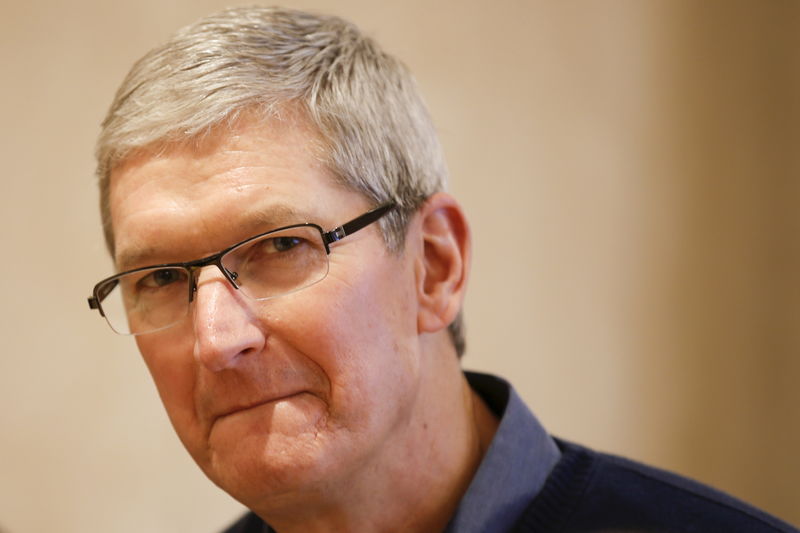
x=515, y=466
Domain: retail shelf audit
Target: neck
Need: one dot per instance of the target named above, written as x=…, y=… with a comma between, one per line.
x=416, y=483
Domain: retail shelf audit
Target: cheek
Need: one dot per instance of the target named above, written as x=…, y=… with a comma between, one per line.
x=361, y=332
x=169, y=359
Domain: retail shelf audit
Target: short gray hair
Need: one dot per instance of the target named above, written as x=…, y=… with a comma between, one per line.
x=378, y=137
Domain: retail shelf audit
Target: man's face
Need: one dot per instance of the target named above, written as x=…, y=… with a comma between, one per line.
x=276, y=396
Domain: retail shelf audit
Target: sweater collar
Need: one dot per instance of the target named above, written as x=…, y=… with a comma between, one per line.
x=515, y=467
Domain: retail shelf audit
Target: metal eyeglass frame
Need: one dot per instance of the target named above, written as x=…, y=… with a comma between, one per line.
x=102, y=288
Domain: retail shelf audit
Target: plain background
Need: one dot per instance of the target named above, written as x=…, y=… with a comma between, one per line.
x=631, y=172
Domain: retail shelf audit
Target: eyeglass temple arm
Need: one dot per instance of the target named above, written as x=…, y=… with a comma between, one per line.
x=337, y=234
x=94, y=301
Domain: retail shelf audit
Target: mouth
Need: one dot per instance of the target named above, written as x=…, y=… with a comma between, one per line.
x=294, y=412
x=254, y=405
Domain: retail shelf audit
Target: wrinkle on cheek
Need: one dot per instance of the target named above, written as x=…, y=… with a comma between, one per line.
x=342, y=281
x=357, y=285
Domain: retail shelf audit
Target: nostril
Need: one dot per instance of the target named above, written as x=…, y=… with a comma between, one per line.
x=246, y=352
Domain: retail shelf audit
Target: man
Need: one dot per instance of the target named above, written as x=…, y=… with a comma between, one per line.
x=293, y=273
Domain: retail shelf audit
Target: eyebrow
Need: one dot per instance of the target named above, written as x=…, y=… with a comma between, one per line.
x=254, y=221
x=259, y=219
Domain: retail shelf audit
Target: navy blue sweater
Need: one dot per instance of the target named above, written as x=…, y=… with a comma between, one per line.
x=589, y=491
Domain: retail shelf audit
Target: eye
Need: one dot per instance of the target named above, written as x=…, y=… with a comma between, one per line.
x=283, y=244
x=162, y=277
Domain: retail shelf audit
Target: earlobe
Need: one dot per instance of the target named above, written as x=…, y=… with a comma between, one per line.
x=443, y=263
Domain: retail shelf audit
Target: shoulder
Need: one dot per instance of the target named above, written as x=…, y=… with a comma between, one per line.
x=591, y=491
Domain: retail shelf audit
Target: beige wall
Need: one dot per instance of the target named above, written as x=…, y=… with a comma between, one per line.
x=631, y=172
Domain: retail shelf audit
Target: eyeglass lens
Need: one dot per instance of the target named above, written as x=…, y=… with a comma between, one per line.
x=264, y=267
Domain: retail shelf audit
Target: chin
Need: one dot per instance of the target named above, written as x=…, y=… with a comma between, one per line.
x=263, y=470
x=272, y=449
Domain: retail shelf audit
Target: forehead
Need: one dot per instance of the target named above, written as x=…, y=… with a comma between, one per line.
x=224, y=154
x=186, y=199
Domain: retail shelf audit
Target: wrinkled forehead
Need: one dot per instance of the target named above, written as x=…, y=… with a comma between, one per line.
x=238, y=176
x=287, y=122
x=114, y=165
x=189, y=161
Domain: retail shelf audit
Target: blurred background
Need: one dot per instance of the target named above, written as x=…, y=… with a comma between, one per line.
x=632, y=174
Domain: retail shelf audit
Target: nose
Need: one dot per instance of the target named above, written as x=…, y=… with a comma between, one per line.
x=226, y=328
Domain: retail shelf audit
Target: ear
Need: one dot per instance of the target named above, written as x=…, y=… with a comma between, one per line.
x=442, y=266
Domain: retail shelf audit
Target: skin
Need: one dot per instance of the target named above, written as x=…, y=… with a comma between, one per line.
x=341, y=407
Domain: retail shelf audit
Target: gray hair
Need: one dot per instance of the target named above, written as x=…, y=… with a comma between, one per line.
x=378, y=137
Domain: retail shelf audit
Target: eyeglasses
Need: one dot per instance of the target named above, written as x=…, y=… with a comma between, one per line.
x=271, y=264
